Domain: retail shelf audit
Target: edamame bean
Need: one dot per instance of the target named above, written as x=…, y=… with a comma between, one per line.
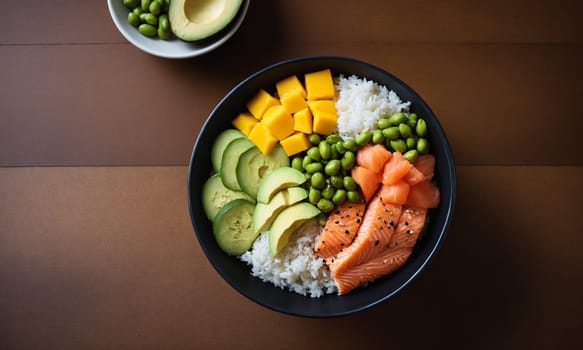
x=348, y=160
x=314, y=153
x=363, y=138
x=325, y=205
x=397, y=118
x=325, y=150
x=314, y=139
x=131, y=4
x=297, y=163
x=332, y=167
x=412, y=121
x=404, y=130
x=350, y=145
x=383, y=123
x=377, y=137
x=337, y=181
x=339, y=196
x=328, y=192
x=398, y=145
x=143, y=17
x=334, y=138
x=151, y=19
x=133, y=19
x=340, y=147
x=145, y=5
x=163, y=33
x=391, y=133
x=314, y=195
x=422, y=145
x=314, y=168
x=411, y=155
x=318, y=180
x=307, y=160
x=138, y=11
x=155, y=8
x=411, y=142
x=349, y=183
x=421, y=128
x=147, y=29
x=333, y=152
x=353, y=196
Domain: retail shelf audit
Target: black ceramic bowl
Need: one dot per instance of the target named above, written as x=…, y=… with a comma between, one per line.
x=237, y=273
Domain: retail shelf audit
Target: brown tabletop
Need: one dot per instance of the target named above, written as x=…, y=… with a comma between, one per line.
x=96, y=246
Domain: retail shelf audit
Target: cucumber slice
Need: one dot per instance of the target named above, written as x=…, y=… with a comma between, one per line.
x=233, y=227
x=215, y=195
x=230, y=159
x=254, y=166
x=220, y=144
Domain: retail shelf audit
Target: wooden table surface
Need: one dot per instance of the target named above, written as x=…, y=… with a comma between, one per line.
x=96, y=246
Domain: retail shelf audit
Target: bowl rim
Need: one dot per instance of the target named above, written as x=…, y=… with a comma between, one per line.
x=223, y=36
x=449, y=167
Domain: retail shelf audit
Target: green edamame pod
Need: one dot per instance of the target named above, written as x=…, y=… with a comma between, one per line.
x=348, y=160
x=145, y=5
x=411, y=155
x=377, y=137
x=422, y=145
x=325, y=150
x=314, y=195
x=325, y=205
x=383, y=123
x=314, y=153
x=398, y=145
x=339, y=196
x=363, y=138
x=405, y=130
x=333, y=167
x=397, y=118
x=133, y=19
x=421, y=128
x=349, y=183
x=350, y=145
x=391, y=133
x=147, y=30
x=297, y=163
x=353, y=196
x=314, y=139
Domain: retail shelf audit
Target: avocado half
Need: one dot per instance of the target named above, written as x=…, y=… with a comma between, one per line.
x=193, y=20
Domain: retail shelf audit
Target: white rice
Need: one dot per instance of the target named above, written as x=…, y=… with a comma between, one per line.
x=296, y=268
x=360, y=103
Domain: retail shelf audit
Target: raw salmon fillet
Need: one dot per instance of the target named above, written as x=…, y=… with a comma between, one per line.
x=393, y=255
x=378, y=225
x=340, y=229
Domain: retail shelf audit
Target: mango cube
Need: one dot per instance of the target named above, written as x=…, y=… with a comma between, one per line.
x=295, y=143
x=262, y=138
x=279, y=122
x=303, y=121
x=245, y=122
x=293, y=102
x=319, y=85
x=260, y=103
x=324, y=122
x=289, y=85
x=323, y=105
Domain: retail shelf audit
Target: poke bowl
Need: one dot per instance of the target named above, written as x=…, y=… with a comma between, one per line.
x=237, y=266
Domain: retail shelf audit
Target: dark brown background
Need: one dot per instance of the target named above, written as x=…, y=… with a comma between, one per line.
x=96, y=246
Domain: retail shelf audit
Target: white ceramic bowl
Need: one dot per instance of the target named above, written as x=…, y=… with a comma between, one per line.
x=173, y=48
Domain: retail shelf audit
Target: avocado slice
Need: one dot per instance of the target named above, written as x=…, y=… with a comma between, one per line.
x=193, y=20
x=266, y=213
x=278, y=179
x=253, y=166
x=289, y=220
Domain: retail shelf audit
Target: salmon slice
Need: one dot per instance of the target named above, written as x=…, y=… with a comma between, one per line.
x=340, y=229
x=373, y=157
x=424, y=195
x=414, y=176
x=378, y=224
x=426, y=164
x=392, y=257
x=367, y=179
x=395, y=169
x=397, y=193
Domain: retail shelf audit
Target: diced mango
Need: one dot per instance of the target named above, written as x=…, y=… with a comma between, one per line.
x=289, y=85
x=324, y=122
x=323, y=105
x=279, y=122
x=260, y=103
x=295, y=143
x=303, y=121
x=262, y=138
x=245, y=122
x=319, y=85
x=293, y=102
